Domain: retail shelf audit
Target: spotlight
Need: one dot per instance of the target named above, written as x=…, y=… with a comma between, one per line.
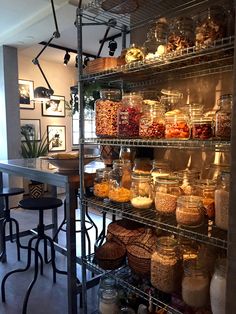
x=66, y=58
x=112, y=47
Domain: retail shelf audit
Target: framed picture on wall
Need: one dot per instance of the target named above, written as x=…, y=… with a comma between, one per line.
x=26, y=94
x=55, y=107
x=32, y=128
x=56, y=137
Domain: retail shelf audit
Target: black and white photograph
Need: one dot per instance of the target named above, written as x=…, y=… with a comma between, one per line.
x=31, y=128
x=56, y=137
x=26, y=94
x=55, y=107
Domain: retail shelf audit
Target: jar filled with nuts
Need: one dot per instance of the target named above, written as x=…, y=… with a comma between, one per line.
x=141, y=191
x=223, y=117
x=166, y=265
x=202, y=128
x=106, y=112
x=129, y=115
x=101, y=185
x=177, y=127
x=167, y=190
x=120, y=181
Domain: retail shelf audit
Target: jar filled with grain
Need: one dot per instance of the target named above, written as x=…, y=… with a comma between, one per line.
x=223, y=117
x=167, y=190
x=189, y=211
x=101, y=185
x=141, y=191
x=166, y=265
x=120, y=181
x=222, y=201
x=106, y=109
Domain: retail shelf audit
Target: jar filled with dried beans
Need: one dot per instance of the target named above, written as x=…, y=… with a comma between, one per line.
x=223, y=117
x=106, y=112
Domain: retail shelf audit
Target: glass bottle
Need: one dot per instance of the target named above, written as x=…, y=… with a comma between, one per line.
x=120, y=181
x=129, y=115
x=202, y=128
x=218, y=288
x=177, y=127
x=101, y=184
x=166, y=270
x=223, y=117
x=141, y=191
x=160, y=169
x=222, y=201
x=167, y=190
x=106, y=109
x=108, y=302
x=189, y=211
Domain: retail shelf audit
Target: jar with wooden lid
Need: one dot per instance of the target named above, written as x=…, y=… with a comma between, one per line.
x=223, y=117
x=189, y=211
x=101, y=184
x=166, y=269
x=141, y=191
x=222, y=201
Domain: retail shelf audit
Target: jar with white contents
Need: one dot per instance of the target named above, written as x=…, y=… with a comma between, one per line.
x=141, y=191
x=108, y=302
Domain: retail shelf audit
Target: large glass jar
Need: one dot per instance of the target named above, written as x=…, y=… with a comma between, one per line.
x=129, y=115
x=195, y=286
x=101, y=184
x=142, y=166
x=202, y=128
x=108, y=302
x=120, y=181
x=188, y=179
x=177, y=127
x=141, y=191
x=171, y=99
x=206, y=189
x=222, y=201
x=167, y=190
x=106, y=112
x=152, y=122
x=166, y=270
x=223, y=117
x=160, y=169
x=189, y=211
x=218, y=288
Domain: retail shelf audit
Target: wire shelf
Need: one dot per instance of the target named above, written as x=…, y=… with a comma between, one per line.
x=123, y=276
x=208, y=233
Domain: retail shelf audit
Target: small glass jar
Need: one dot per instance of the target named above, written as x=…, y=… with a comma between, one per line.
x=189, y=211
x=218, y=288
x=222, y=201
x=141, y=191
x=106, y=110
x=195, y=286
x=177, y=127
x=106, y=283
x=166, y=270
x=108, y=302
x=160, y=169
x=134, y=54
x=101, y=184
x=120, y=181
x=152, y=122
x=223, y=117
x=142, y=166
x=129, y=115
x=202, y=128
x=167, y=190
x=188, y=180
x=206, y=189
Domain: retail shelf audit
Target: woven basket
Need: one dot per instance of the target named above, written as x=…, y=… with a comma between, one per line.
x=110, y=255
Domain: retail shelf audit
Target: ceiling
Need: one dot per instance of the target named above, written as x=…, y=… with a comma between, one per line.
x=25, y=23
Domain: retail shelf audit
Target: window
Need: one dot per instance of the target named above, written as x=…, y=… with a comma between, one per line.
x=89, y=125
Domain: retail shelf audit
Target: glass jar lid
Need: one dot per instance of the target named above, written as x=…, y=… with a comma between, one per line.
x=132, y=98
x=109, y=295
x=166, y=243
x=141, y=176
x=113, y=94
x=170, y=180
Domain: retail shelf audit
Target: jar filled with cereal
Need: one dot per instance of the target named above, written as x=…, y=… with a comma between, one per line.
x=166, y=268
x=101, y=185
x=167, y=190
x=120, y=181
x=223, y=117
x=129, y=115
x=106, y=110
x=222, y=201
x=177, y=127
x=141, y=191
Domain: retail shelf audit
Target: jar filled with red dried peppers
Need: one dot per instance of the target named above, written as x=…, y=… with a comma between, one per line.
x=106, y=112
x=129, y=115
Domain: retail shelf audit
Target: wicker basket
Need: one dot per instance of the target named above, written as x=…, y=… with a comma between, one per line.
x=124, y=231
x=110, y=255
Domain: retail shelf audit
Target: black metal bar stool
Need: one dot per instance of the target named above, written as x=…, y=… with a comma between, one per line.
x=39, y=204
x=6, y=193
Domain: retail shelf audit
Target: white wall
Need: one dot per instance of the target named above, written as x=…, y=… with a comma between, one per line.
x=60, y=79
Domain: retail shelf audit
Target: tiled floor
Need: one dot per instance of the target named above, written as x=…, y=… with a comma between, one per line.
x=46, y=297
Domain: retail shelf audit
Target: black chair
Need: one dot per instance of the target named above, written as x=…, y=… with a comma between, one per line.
x=7, y=219
x=39, y=204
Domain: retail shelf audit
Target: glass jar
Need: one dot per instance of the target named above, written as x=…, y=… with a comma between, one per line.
x=141, y=191
x=171, y=99
x=152, y=122
x=188, y=250
x=218, y=288
x=181, y=34
x=167, y=190
x=134, y=54
x=211, y=25
x=108, y=302
x=207, y=255
x=202, y=128
x=177, y=127
x=160, y=169
x=101, y=184
x=189, y=211
x=222, y=201
x=120, y=181
x=150, y=45
x=106, y=109
x=223, y=117
x=195, y=286
x=206, y=189
x=106, y=283
x=129, y=115
x=214, y=171
x=142, y=166
x=166, y=270
x=161, y=31
x=188, y=179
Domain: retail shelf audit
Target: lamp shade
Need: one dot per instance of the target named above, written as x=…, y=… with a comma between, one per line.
x=42, y=93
